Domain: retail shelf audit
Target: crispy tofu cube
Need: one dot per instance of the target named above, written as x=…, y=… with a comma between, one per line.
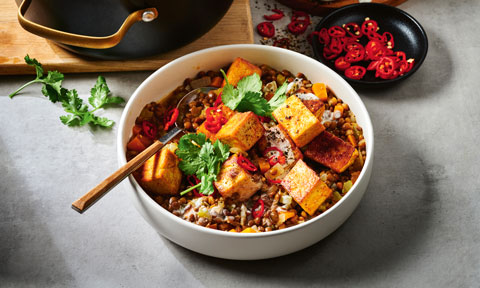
x=227, y=112
x=239, y=69
x=241, y=131
x=331, y=151
x=234, y=182
x=160, y=174
x=299, y=122
x=305, y=187
x=317, y=107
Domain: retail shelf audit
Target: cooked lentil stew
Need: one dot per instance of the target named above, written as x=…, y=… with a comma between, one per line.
x=303, y=160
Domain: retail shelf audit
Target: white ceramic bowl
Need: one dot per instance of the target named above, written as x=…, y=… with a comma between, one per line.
x=242, y=245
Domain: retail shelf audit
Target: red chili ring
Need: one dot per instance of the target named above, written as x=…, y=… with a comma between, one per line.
x=266, y=29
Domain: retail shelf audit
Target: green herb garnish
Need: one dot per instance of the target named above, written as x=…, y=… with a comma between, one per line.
x=248, y=96
x=79, y=113
x=201, y=158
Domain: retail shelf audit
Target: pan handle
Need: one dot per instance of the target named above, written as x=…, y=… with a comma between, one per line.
x=103, y=42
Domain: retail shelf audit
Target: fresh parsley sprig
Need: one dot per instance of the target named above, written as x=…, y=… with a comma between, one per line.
x=248, y=96
x=201, y=158
x=79, y=113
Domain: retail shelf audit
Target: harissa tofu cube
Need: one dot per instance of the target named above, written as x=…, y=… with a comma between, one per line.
x=160, y=174
x=239, y=69
x=234, y=182
x=299, y=122
x=241, y=131
x=305, y=187
x=331, y=151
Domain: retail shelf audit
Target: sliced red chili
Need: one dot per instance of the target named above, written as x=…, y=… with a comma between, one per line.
x=329, y=54
x=323, y=37
x=193, y=180
x=336, y=45
x=374, y=50
x=353, y=29
x=278, y=156
x=369, y=26
x=355, y=72
x=388, y=39
x=375, y=36
x=411, y=63
x=341, y=64
x=246, y=164
x=218, y=101
x=172, y=116
x=278, y=15
x=400, y=55
x=336, y=31
x=300, y=16
x=298, y=27
x=149, y=129
x=386, y=68
x=353, y=45
x=373, y=65
x=273, y=181
x=258, y=209
x=266, y=29
x=355, y=55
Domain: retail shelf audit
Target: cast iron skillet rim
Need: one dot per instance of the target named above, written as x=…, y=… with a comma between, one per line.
x=364, y=83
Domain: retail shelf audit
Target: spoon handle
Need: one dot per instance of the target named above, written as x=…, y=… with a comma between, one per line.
x=87, y=200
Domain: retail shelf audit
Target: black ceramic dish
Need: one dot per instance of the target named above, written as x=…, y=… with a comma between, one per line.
x=409, y=37
x=179, y=22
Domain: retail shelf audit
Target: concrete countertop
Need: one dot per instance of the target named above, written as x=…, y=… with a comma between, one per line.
x=417, y=226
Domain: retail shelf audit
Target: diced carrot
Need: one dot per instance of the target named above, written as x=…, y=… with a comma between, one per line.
x=339, y=108
x=248, y=230
x=263, y=164
x=136, y=130
x=284, y=216
x=217, y=82
x=139, y=143
x=320, y=90
x=352, y=140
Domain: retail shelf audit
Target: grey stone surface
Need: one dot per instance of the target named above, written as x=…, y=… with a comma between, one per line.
x=417, y=226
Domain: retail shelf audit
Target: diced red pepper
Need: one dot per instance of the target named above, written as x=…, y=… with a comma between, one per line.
x=246, y=164
x=278, y=15
x=341, y=64
x=266, y=29
x=355, y=72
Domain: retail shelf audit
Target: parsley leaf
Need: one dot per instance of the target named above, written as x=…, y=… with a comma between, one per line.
x=248, y=96
x=201, y=158
x=79, y=113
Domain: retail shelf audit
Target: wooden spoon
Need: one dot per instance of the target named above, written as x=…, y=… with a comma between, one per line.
x=87, y=200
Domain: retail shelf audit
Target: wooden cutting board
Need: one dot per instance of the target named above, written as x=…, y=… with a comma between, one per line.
x=234, y=28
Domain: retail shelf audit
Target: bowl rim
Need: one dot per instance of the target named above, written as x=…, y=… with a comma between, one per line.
x=394, y=9
x=139, y=192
